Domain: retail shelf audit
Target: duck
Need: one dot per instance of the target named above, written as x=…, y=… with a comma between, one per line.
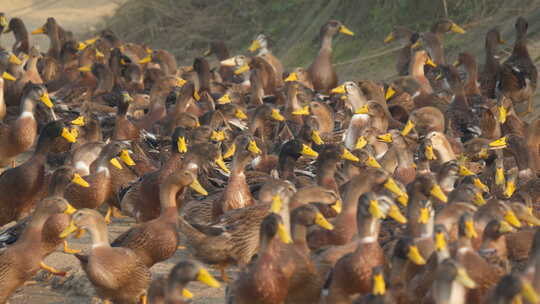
x=489, y=75
x=125, y=284
x=262, y=283
x=236, y=194
x=321, y=71
x=462, y=122
x=234, y=237
x=512, y=287
x=100, y=177
x=409, y=37
x=141, y=199
x=172, y=289
x=22, y=260
x=480, y=271
x=305, y=284
x=19, y=135
x=20, y=33
x=157, y=240
x=219, y=48
x=518, y=74
x=451, y=283
x=352, y=272
x=260, y=44
x=26, y=182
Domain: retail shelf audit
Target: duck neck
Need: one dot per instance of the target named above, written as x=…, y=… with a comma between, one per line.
x=308, y=195
x=204, y=78
x=404, y=157
x=55, y=47
x=31, y=65
x=299, y=234
x=326, y=174
x=491, y=51
x=98, y=234
x=167, y=199
x=286, y=165
x=27, y=108
x=357, y=99
x=426, y=229
x=444, y=152
x=326, y=44
x=471, y=87
x=368, y=229
x=2, y=101
x=32, y=233
x=464, y=242
x=269, y=245
x=58, y=187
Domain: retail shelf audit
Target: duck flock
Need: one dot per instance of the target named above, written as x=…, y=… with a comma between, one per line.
x=423, y=189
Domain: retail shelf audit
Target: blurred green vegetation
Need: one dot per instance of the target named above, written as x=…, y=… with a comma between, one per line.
x=185, y=27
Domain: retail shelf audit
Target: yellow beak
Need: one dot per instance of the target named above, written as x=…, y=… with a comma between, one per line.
x=361, y=142
x=77, y=179
x=146, y=59
x=431, y=63
x=362, y=110
x=339, y=90
x=86, y=68
x=408, y=128
x=276, y=115
x=181, y=143
x=321, y=221
x=303, y=111
x=205, y=277
x=68, y=136
x=79, y=121
x=344, y=30
x=240, y=114
x=316, y=137
x=415, y=256
x=242, y=69
x=253, y=148
x=389, y=37
x=307, y=151
x=457, y=29
x=292, y=77
x=230, y=151
x=498, y=144
x=195, y=185
x=390, y=92
x=14, y=59
x=8, y=76
x=387, y=138
x=39, y=30
x=224, y=99
x=124, y=156
x=69, y=230
x=115, y=163
x=255, y=45
x=46, y=100
x=349, y=156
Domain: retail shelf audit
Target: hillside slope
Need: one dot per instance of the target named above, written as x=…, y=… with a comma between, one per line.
x=184, y=27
